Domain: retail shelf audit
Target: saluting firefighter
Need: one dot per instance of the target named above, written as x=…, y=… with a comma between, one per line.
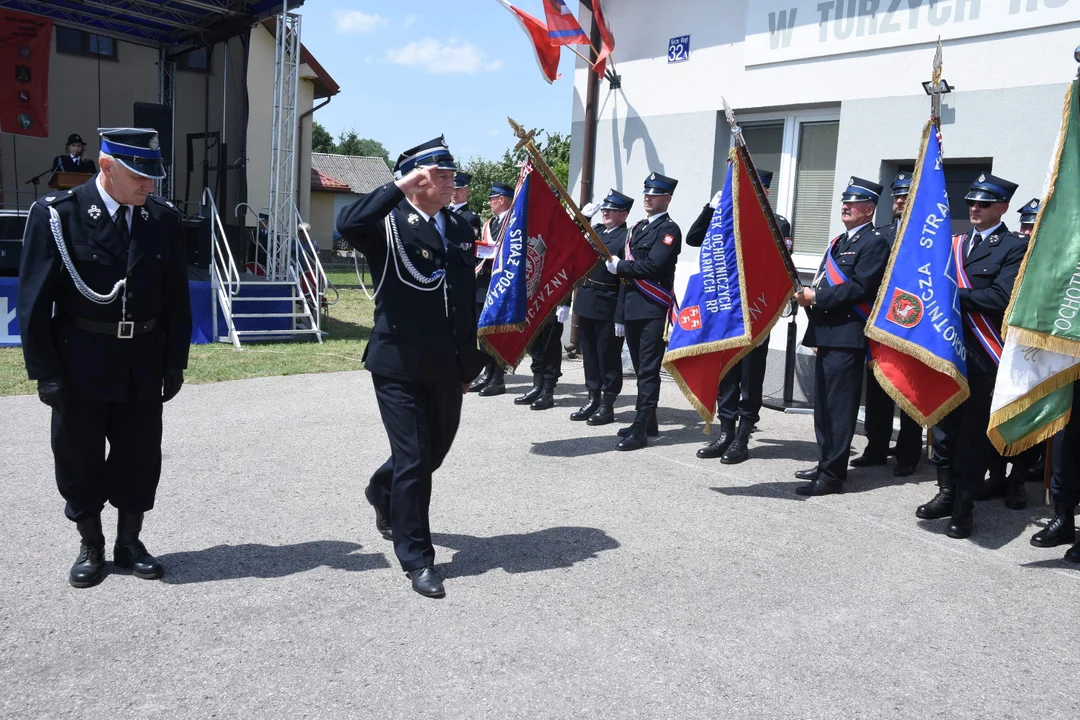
x=594, y=304
x=645, y=301
x=989, y=260
x=110, y=256
x=492, y=380
x=422, y=352
x=880, y=407
x=837, y=305
x=742, y=388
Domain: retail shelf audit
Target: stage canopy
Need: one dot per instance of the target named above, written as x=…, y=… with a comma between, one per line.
x=174, y=25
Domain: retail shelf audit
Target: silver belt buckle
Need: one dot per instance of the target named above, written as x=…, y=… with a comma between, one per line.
x=125, y=330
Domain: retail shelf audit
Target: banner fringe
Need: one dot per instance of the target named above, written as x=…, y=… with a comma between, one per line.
x=1044, y=341
x=1036, y=394
x=1029, y=441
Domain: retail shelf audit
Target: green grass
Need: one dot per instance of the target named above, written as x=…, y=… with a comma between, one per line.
x=348, y=324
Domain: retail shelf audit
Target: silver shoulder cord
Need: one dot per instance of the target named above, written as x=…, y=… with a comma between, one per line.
x=80, y=284
x=394, y=247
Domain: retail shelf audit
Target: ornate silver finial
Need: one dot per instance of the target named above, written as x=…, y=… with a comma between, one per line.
x=730, y=115
x=937, y=56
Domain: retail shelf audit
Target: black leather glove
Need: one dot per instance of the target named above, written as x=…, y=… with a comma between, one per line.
x=174, y=380
x=51, y=392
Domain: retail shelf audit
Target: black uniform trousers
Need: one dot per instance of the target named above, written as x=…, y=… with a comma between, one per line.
x=645, y=340
x=546, y=354
x=879, y=424
x=1065, y=480
x=421, y=420
x=127, y=478
x=740, y=390
x=960, y=439
x=601, y=354
x=492, y=367
x=838, y=376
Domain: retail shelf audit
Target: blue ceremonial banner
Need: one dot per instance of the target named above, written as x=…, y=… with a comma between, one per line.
x=714, y=289
x=507, y=296
x=922, y=362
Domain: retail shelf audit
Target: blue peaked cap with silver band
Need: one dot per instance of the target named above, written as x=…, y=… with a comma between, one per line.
x=1030, y=212
x=617, y=201
x=433, y=153
x=501, y=188
x=765, y=176
x=990, y=188
x=137, y=149
x=860, y=190
x=902, y=184
x=657, y=184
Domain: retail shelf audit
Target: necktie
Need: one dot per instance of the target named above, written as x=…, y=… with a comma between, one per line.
x=121, y=224
x=975, y=242
x=438, y=230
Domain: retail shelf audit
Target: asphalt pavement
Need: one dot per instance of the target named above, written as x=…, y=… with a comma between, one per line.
x=581, y=582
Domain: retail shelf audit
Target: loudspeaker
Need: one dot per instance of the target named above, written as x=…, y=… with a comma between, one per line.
x=159, y=117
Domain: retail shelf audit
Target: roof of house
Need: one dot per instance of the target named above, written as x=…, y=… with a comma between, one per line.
x=325, y=183
x=360, y=174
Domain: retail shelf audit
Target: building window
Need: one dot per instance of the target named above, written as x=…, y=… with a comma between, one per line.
x=76, y=42
x=815, y=169
x=765, y=141
x=197, y=60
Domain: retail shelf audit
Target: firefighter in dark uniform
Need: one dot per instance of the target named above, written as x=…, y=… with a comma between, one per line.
x=73, y=160
x=992, y=257
x=545, y=353
x=741, y=389
x=594, y=304
x=645, y=301
x=491, y=381
x=422, y=352
x=880, y=407
x=459, y=202
x=846, y=283
x=1064, y=487
x=117, y=345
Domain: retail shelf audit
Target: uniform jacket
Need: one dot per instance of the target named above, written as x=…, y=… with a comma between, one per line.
x=992, y=270
x=695, y=236
x=889, y=232
x=64, y=163
x=418, y=336
x=655, y=247
x=97, y=366
x=834, y=321
x=483, y=277
x=472, y=218
x=598, y=303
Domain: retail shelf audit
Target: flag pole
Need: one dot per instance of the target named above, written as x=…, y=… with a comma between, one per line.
x=526, y=142
x=759, y=191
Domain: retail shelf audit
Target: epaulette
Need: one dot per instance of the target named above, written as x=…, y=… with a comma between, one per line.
x=163, y=201
x=56, y=197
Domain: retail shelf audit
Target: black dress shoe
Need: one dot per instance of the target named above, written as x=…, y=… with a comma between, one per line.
x=818, y=487
x=634, y=440
x=652, y=428
x=719, y=446
x=129, y=552
x=868, y=460
x=1061, y=530
x=527, y=398
x=962, y=517
x=604, y=416
x=903, y=469
x=1073, y=554
x=493, y=388
x=427, y=582
x=739, y=450
x=807, y=474
x=480, y=382
x=89, y=566
x=586, y=410
x=546, y=401
x=382, y=517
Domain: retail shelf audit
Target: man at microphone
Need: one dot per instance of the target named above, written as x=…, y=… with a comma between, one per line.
x=73, y=161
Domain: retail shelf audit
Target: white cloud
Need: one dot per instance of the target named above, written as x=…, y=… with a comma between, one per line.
x=358, y=23
x=410, y=20
x=443, y=59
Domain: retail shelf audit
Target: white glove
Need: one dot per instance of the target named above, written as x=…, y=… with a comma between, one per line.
x=590, y=209
x=620, y=330
x=715, y=202
x=562, y=313
x=612, y=265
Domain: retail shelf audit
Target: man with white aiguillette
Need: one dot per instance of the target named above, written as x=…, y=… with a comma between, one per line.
x=645, y=301
x=110, y=256
x=838, y=305
x=989, y=261
x=422, y=353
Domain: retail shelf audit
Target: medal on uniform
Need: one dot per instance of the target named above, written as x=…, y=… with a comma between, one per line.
x=145, y=215
x=94, y=212
x=425, y=253
x=414, y=219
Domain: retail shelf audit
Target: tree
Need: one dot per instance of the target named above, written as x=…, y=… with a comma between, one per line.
x=321, y=139
x=553, y=147
x=350, y=143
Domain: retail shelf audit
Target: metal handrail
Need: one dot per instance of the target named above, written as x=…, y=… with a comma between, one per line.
x=260, y=225
x=309, y=256
x=220, y=243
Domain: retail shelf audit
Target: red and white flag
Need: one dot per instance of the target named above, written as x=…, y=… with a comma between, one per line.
x=607, y=40
x=563, y=27
x=547, y=55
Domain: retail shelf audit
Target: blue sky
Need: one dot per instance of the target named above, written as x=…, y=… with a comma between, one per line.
x=414, y=69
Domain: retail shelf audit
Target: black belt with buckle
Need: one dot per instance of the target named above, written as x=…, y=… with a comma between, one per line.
x=597, y=285
x=124, y=329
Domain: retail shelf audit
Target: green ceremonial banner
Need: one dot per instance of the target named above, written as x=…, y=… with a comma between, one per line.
x=1045, y=307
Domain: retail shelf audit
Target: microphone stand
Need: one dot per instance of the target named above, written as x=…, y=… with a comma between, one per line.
x=36, y=180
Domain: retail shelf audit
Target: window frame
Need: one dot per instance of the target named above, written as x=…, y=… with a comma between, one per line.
x=85, y=42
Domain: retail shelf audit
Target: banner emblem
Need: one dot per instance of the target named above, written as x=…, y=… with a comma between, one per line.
x=906, y=309
x=534, y=264
x=690, y=318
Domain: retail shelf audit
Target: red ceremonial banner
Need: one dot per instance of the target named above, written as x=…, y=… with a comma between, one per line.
x=557, y=257
x=25, y=43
